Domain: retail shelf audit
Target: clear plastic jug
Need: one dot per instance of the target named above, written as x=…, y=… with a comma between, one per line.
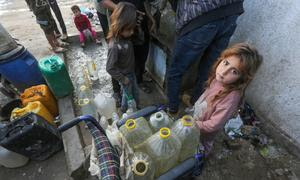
x=189, y=135
x=136, y=131
x=160, y=119
x=105, y=105
x=142, y=166
x=164, y=147
x=11, y=159
x=86, y=103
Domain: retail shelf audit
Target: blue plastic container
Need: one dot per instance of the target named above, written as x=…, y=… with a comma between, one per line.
x=21, y=69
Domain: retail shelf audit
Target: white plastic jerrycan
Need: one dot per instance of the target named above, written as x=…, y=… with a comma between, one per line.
x=105, y=105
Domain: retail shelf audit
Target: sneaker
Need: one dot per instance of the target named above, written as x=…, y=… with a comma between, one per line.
x=64, y=37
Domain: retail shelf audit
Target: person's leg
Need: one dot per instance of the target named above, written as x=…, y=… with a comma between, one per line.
x=94, y=35
x=103, y=23
x=140, y=54
x=82, y=38
x=54, y=6
x=117, y=92
x=226, y=29
x=188, y=49
x=134, y=89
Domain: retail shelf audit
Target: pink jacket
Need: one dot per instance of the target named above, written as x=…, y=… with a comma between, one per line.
x=211, y=118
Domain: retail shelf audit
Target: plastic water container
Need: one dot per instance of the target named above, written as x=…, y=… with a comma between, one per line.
x=37, y=108
x=142, y=166
x=31, y=136
x=189, y=135
x=11, y=159
x=86, y=103
x=21, y=69
x=164, y=148
x=43, y=94
x=105, y=105
x=160, y=119
x=7, y=42
x=136, y=131
x=56, y=75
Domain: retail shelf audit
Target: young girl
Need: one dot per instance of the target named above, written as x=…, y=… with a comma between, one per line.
x=120, y=60
x=83, y=24
x=225, y=87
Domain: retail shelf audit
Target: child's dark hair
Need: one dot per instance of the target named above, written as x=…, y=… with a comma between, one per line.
x=123, y=17
x=250, y=60
x=75, y=7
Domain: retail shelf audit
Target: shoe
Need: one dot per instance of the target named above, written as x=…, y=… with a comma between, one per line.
x=82, y=44
x=59, y=50
x=186, y=99
x=64, y=37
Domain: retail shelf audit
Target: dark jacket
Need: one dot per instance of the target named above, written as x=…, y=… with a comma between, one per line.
x=196, y=13
x=120, y=59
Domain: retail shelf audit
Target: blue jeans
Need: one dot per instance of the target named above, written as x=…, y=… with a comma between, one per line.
x=131, y=89
x=205, y=43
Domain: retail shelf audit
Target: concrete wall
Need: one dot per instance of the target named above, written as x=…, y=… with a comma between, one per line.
x=274, y=28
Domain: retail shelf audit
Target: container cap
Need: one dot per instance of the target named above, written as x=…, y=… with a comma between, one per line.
x=164, y=132
x=83, y=88
x=187, y=120
x=82, y=102
x=140, y=167
x=130, y=124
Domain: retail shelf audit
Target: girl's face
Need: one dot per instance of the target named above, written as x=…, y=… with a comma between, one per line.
x=76, y=12
x=227, y=71
x=126, y=33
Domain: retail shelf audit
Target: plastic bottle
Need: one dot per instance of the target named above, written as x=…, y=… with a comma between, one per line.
x=86, y=103
x=164, y=147
x=92, y=68
x=136, y=131
x=189, y=135
x=103, y=122
x=131, y=104
x=158, y=120
x=142, y=166
x=11, y=159
x=105, y=105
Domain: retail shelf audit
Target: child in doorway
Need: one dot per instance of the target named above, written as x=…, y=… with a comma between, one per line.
x=120, y=60
x=83, y=24
x=229, y=77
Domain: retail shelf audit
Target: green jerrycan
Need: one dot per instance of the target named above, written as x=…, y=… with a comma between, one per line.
x=56, y=76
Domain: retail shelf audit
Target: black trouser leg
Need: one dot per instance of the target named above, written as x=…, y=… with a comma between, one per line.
x=55, y=8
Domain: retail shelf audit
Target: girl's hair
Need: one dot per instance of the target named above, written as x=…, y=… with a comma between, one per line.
x=123, y=17
x=250, y=60
x=75, y=7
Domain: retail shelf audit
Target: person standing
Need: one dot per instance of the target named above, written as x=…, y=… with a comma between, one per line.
x=101, y=12
x=55, y=8
x=140, y=39
x=203, y=31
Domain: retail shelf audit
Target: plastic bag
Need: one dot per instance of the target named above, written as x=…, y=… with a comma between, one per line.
x=233, y=127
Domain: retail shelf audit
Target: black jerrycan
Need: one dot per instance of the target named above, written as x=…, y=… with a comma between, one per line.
x=31, y=136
